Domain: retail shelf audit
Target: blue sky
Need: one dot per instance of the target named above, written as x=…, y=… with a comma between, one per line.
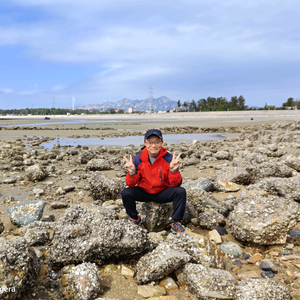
x=103, y=50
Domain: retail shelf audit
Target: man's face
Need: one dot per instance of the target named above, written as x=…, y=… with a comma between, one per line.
x=153, y=144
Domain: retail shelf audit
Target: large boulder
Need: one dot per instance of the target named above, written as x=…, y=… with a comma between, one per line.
x=160, y=262
x=104, y=188
x=267, y=289
x=98, y=165
x=262, y=218
x=19, y=267
x=273, y=169
x=35, y=172
x=288, y=188
x=231, y=179
x=86, y=156
x=292, y=161
x=207, y=283
x=201, y=249
x=85, y=234
x=26, y=212
x=202, y=200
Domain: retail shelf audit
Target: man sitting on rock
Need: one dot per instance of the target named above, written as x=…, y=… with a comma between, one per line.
x=153, y=176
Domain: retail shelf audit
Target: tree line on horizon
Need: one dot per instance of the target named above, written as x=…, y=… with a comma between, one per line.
x=235, y=104
x=208, y=104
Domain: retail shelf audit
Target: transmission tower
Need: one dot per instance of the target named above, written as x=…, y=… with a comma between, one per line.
x=150, y=97
x=53, y=103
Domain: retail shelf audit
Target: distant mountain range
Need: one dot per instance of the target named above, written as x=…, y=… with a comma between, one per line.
x=157, y=104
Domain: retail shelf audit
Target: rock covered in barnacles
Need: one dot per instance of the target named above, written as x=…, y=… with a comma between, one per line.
x=211, y=218
x=231, y=179
x=86, y=156
x=26, y=212
x=262, y=218
x=160, y=262
x=87, y=235
x=104, y=188
x=35, y=236
x=273, y=169
x=98, y=165
x=267, y=289
x=200, y=183
x=19, y=267
x=87, y=213
x=35, y=172
x=201, y=249
x=288, y=188
x=158, y=215
x=202, y=200
x=292, y=161
x=84, y=281
x=208, y=283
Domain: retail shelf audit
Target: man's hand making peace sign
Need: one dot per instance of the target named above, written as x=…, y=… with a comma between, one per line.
x=175, y=162
x=129, y=165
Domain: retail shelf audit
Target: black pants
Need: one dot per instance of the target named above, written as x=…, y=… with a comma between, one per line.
x=177, y=195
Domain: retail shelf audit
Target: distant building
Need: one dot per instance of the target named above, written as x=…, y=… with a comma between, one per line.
x=91, y=110
x=131, y=110
x=116, y=110
x=178, y=109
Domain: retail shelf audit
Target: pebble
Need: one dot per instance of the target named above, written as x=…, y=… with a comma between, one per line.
x=267, y=274
x=233, y=250
x=294, y=233
x=221, y=230
x=255, y=258
x=237, y=262
x=286, y=252
x=125, y=271
x=214, y=236
x=168, y=284
x=150, y=291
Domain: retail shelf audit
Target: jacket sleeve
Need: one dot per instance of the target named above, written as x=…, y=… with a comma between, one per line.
x=175, y=178
x=133, y=180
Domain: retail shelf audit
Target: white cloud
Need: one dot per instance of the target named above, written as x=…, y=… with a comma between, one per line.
x=6, y=90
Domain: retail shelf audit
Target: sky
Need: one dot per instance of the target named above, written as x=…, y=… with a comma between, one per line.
x=106, y=50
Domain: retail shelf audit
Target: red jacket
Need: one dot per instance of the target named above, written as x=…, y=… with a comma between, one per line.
x=153, y=178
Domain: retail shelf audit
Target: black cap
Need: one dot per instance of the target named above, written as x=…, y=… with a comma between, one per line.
x=153, y=131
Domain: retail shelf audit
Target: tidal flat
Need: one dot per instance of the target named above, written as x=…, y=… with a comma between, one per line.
x=243, y=189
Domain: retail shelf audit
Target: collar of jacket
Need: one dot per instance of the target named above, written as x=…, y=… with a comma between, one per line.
x=145, y=154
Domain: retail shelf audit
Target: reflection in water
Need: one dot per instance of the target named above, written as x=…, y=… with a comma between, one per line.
x=137, y=140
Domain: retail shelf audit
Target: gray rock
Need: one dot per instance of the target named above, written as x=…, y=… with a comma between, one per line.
x=268, y=265
x=91, y=234
x=283, y=187
x=231, y=175
x=160, y=262
x=221, y=155
x=98, y=165
x=86, y=156
x=267, y=289
x=26, y=212
x=207, y=283
x=19, y=267
x=198, y=184
x=104, y=188
x=232, y=250
x=292, y=161
x=202, y=200
x=157, y=216
x=273, y=169
x=211, y=218
x=35, y=172
x=201, y=249
x=69, y=188
x=267, y=225
x=35, y=236
x=1, y=227
x=84, y=281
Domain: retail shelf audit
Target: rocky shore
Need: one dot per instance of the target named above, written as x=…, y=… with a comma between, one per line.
x=65, y=234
